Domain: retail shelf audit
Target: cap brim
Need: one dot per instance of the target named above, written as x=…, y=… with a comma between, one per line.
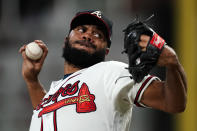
x=89, y=19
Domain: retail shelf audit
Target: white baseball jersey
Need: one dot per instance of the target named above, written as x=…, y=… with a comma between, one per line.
x=98, y=98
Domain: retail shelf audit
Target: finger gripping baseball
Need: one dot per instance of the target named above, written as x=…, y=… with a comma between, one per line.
x=141, y=62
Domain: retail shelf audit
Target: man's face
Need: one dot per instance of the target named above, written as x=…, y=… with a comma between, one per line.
x=85, y=46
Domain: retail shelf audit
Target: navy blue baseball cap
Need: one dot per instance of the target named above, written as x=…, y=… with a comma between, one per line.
x=93, y=17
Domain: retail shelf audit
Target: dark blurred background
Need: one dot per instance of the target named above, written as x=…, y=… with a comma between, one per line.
x=23, y=21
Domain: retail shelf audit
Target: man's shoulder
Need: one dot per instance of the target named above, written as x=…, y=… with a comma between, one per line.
x=112, y=63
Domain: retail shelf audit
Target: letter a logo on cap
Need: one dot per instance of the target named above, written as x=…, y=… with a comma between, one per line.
x=97, y=13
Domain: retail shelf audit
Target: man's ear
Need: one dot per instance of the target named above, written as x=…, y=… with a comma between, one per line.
x=106, y=51
x=65, y=41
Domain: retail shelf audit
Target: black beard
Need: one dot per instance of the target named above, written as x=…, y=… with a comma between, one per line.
x=81, y=58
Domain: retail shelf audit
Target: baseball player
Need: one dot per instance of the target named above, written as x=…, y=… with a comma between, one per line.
x=99, y=95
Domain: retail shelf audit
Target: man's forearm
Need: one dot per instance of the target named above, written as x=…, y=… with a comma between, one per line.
x=36, y=92
x=175, y=88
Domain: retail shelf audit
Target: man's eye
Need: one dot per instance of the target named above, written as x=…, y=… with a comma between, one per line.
x=97, y=35
x=81, y=30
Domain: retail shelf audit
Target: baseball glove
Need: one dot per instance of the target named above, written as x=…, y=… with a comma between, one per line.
x=141, y=62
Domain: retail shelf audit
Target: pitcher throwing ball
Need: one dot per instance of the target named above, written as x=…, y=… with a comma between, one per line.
x=98, y=95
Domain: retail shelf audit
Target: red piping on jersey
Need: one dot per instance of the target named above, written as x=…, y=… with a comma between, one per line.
x=72, y=77
x=139, y=92
x=41, y=128
x=55, y=121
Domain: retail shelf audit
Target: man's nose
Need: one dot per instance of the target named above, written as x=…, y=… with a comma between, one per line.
x=87, y=36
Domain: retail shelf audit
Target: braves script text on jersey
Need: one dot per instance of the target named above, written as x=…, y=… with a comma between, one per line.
x=98, y=98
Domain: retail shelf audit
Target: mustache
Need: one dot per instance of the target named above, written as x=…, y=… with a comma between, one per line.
x=85, y=43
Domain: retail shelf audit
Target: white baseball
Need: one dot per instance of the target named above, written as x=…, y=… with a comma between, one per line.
x=33, y=51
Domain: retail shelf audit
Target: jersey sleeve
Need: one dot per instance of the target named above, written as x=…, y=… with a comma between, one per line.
x=135, y=94
x=122, y=89
x=52, y=88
